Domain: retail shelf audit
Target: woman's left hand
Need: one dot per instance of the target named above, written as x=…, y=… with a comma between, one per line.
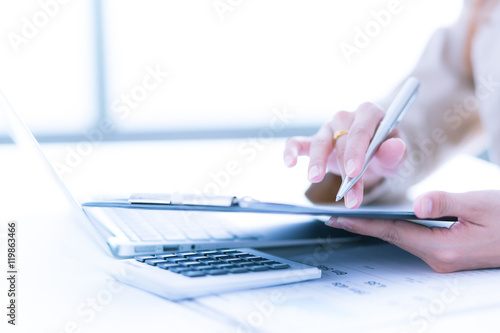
x=471, y=243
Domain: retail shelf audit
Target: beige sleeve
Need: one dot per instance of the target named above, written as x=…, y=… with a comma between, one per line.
x=443, y=117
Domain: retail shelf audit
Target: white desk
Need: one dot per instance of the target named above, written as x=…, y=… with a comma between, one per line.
x=58, y=293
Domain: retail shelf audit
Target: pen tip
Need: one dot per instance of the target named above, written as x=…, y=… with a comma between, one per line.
x=338, y=198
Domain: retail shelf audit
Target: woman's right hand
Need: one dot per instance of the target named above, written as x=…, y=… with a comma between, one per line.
x=346, y=156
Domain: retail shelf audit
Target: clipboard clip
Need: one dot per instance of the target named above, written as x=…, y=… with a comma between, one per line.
x=177, y=198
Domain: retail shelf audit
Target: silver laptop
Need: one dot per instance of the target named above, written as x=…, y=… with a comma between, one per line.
x=130, y=232
x=169, y=271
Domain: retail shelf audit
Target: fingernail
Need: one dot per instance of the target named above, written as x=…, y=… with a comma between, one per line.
x=427, y=206
x=351, y=200
x=313, y=172
x=342, y=221
x=350, y=166
x=331, y=222
x=288, y=161
x=404, y=145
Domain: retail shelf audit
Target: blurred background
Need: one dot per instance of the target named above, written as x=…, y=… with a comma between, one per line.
x=164, y=69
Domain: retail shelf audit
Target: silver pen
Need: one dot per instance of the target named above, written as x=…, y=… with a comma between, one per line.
x=393, y=116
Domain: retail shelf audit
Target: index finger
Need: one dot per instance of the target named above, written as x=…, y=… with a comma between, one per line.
x=294, y=147
x=366, y=121
x=412, y=237
x=320, y=148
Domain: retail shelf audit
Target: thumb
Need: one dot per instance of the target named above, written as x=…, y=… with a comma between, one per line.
x=469, y=206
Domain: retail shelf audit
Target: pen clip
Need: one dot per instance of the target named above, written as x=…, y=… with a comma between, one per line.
x=177, y=198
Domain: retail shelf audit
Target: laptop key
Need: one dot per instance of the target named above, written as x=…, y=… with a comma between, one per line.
x=193, y=273
x=204, y=267
x=177, y=260
x=155, y=261
x=243, y=255
x=230, y=251
x=235, y=261
x=168, y=265
x=238, y=270
x=190, y=263
x=207, y=252
x=143, y=258
x=248, y=264
x=201, y=258
x=220, y=256
x=187, y=254
x=166, y=256
x=204, y=259
x=280, y=266
x=221, y=266
x=179, y=269
x=216, y=272
x=256, y=259
x=258, y=268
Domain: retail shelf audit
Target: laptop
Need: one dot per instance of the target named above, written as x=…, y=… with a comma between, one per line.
x=178, y=255
x=131, y=232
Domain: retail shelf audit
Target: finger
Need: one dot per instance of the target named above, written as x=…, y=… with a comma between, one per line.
x=354, y=197
x=341, y=121
x=407, y=235
x=470, y=206
x=322, y=146
x=320, y=149
x=389, y=157
x=332, y=163
x=294, y=147
x=367, y=118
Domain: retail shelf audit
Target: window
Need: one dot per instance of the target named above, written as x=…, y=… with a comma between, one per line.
x=219, y=67
x=230, y=64
x=48, y=68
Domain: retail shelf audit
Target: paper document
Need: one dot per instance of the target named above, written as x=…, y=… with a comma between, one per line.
x=362, y=288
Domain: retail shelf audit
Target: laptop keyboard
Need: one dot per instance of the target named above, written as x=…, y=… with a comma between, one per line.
x=159, y=225
x=211, y=262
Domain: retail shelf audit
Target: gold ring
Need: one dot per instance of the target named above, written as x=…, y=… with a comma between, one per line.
x=338, y=134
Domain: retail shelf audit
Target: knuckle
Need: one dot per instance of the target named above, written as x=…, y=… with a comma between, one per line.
x=372, y=109
x=391, y=235
x=378, y=112
x=340, y=116
x=442, y=203
x=320, y=140
x=293, y=141
x=360, y=133
x=317, y=160
x=446, y=256
x=367, y=106
x=290, y=141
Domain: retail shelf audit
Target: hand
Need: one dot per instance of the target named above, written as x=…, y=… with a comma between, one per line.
x=347, y=155
x=471, y=243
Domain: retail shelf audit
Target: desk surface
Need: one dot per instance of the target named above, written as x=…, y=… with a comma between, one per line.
x=372, y=286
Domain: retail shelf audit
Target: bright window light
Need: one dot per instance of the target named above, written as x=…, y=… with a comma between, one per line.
x=47, y=68
x=176, y=65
